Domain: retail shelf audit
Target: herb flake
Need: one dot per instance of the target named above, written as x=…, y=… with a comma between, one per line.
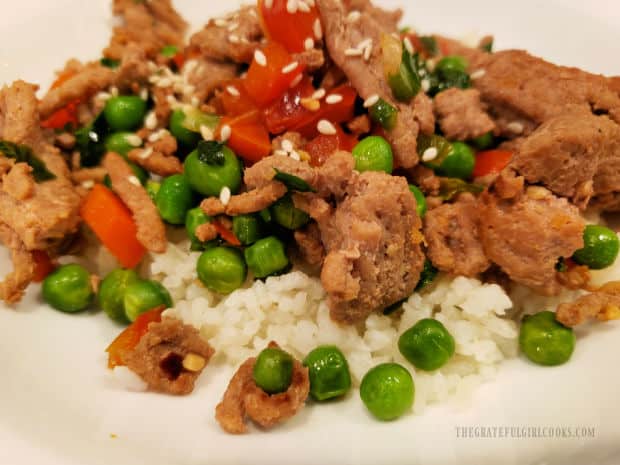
x=211, y=152
x=292, y=182
x=90, y=141
x=23, y=154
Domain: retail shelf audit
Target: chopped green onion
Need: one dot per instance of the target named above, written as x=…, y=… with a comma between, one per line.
x=405, y=83
x=110, y=62
x=384, y=113
x=194, y=119
x=24, y=154
x=441, y=145
x=428, y=275
x=211, y=153
x=90, y=141
x=451, y=187
x=169, y=51
x=487, y=46
x=430, y=45
x=292, y=182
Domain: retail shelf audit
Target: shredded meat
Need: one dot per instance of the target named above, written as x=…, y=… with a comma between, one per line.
x=158, y=157
x=13, y=286
x=244, y=398
x=312, y=60
x=96, y=174
x=151, y=230
x=425, y=179
x=527, y=235
x=263, y=172
x=207, y=74
x=294, y=138
x=249, y=202
x=360, y=125
x=461, y=115
x=602, y=304
x=453, y=238
x=206, y=232
x=163, y=357
x=309, y=243
x=18, y=183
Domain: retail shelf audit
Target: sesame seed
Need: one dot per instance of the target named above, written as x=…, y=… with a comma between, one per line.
x=164, y=82
x=430, y=154
x=114, y=91
x=189, y=67
x=326, y=128
x=144, y=94
x=311, y=3
x=150, y=122
x=260, y=58
x=303, y=7
x=318, y=29
x=353, y=52
x=296, y=81
x=146, y=153
x=367, y=52
x=268, y=4
x=134, y=180
x=195, y=101
x=409, y=45
x=291, y=6
x=353, y=16
x=172, y=100
x=295, y=156
x=234, y=39
x=221, y=22
x=155, y=136
x=134, y=140
x=310, y=104
x=287, y=145
x=232, y=27
x=225, y=133
x=103, y=96
x=426, y=85
x=290, y=67
x=478, y=74
x=333, y=99
x=318, y=94
x=309, y=43
x=364, y=43
x=232, y=90
x=371, y=101
x=280, y=152
x=225, y=195
x=430, y=64
x=206, y=133
x=516, y=127
x=89, y=184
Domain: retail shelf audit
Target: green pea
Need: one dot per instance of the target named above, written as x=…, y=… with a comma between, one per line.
x=373, y=153
x=427, y=345
x=68, y=289
x=118, y=142
x=287, y=215
x=420, y=200
x=452, y=63
x=266, y=257
x=222, y=269
x=194, y=218
x=459, y=163
x=600, y=248
x=545, y=341
x=387, y=391
x=248, y=228
x=273, y=370
x=208, y=178
x=329, y=373
x=152, y=188
x=112, y=292
x=174, y=199
x=124, y=113
x=484, y=142
x=144, y=295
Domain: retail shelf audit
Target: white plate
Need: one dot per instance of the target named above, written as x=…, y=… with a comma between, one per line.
x=58, y=407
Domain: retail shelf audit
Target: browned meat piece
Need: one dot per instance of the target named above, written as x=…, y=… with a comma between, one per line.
x=607, y=177
x=313, y=60
x=134, y=67
x=96, y=174
x=162, y=107
x=309, y=243
x=263, y=172
x=527, y=235
x=169, y=357
x=243, y=398
x=373, y=244
x=528, y=90
x=508, y=185
x=359, y=125
x=425, y=179
x=453, y=237
x=213, y=206
x=233, y=38
x=207, y=74
x=296, y=139
x=565, y=154
x=602, y=304
x=151, y=230
x=614, y=83
x=367, y=75
x=156, y=162
x=65, y=140
x=151, y=25
x=206, y=232
x=387, y=19
x=575, y=277
x=314, y=205
x=333, y=77
x=18, y=183
x=14, y=284
x=334, y=175
x=461, y=115
x=249, y=202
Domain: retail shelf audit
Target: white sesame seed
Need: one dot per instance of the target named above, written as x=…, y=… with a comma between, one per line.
x=103, y=96
x=150, y=122
x=430, y=64
x=287, y=146
x=318, y=94
x=326, y=128
x=134, y=140
x=232, y=90
x=144, y=94
x=353, y=52
x=157, y=135
x=225, y=133
x=295, y=156
x=268, y=4
x=371, y=101
x=367, y=52
x=195, y=101
x=225, y=195
x=280, y=152
x=430, y=154
x=234, y=39
x=164, y=82
x=309, y=43
x=291, y=6
x=478, y=74
x=364, y=43
x=206, y=133
x=311, y=3
x=515, y=127
x=290, y=67
x=114, y=91
x=260, y=58
x=189, y=66
x=426, y=85
x=333, y=99
x=134, y=180
x=188, y=89
x=318, y=29
x=232, y=27
x=296, y=81
x=303, y=7
x=409, y=45
x=89, y=184
x=171, y=99
x=221, y=22
x=353, y=16
x=146, y=153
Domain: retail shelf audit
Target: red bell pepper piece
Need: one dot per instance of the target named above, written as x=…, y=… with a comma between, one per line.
x=491, y=162
x=290, y=29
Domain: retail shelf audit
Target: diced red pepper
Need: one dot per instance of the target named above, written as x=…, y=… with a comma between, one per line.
x=268, y=78
x=322, y=147
x=226, y=233
x=130, y=337
x=290, y=29
x=43, y=265
x=249, y=141
x=179, y=59
x=66, y=115
x=288, y=112
x=338, y=112
x=235, y=105
x=491, y=162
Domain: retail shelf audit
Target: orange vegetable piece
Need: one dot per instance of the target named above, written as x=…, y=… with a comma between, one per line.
x=249, y=138
x=226, y=233
x=43, y=265
x=113, y=224
x=322, y=147
x=290, y=29
x=491, y=162
x=62, y=117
